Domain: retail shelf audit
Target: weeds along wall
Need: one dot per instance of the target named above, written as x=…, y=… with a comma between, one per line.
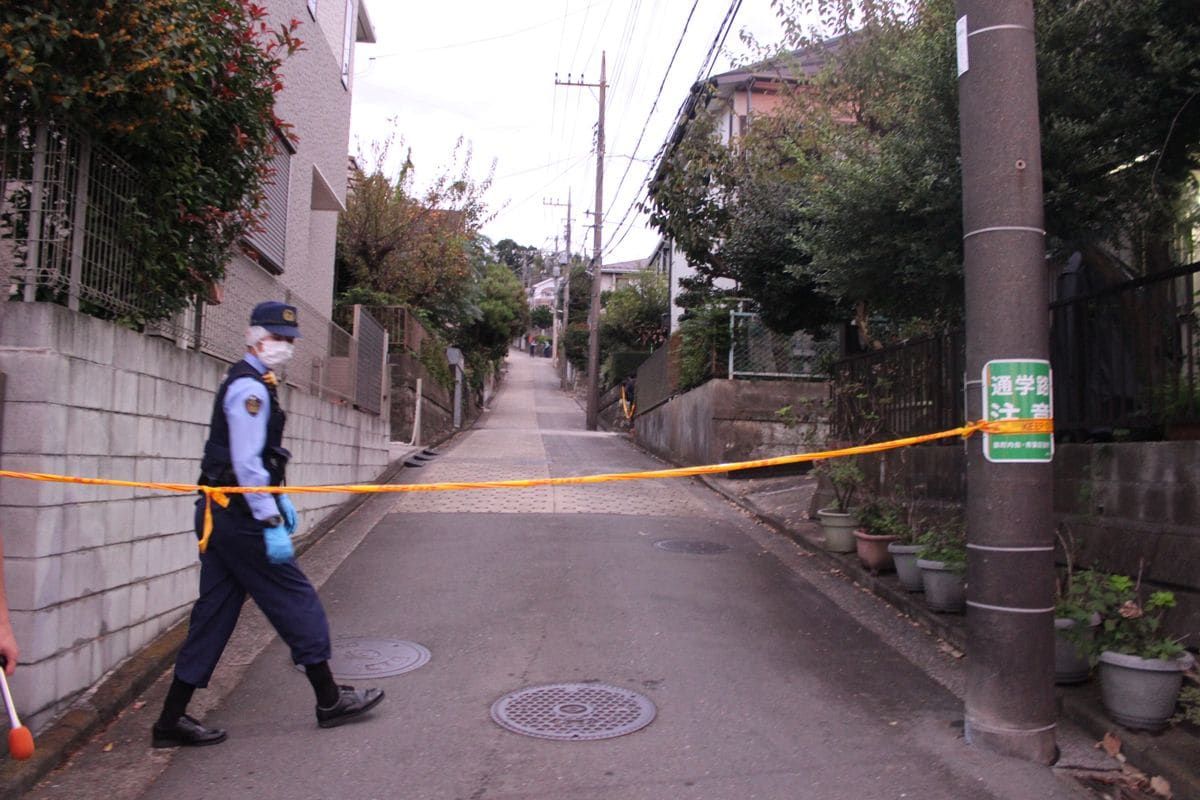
x=93, y=574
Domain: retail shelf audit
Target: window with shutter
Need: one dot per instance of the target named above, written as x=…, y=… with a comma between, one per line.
x=270, y=240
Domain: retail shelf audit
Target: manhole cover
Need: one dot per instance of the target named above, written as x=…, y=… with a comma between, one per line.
x=573, y=711
x=696, y=546
x=362, y=657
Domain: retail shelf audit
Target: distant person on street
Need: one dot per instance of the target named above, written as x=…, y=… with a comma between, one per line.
x=8, y=642
x=250, y=550
x=532, y=344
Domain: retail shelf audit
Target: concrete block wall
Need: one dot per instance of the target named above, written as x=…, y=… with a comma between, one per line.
x=734, y=420
x=94, y=573
x=1125, y=504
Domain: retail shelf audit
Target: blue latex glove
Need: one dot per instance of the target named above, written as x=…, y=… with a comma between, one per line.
x=288, y=511
x=279, y=544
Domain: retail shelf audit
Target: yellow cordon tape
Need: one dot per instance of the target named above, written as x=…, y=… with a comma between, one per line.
x=220, y=494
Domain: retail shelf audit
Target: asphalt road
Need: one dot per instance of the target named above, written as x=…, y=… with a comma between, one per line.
x=769, y=679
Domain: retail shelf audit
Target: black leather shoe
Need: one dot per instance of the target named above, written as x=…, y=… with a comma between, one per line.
x=186, y=732
x=351, y=702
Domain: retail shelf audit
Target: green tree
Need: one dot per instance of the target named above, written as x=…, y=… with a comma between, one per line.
x=633, y=314
x=501, y=314
x=524, y=260
x=853, y=193
x=420, y=248
x=541, y=317
x=182, y=89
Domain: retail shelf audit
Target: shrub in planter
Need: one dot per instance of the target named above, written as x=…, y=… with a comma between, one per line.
x=881, y=523
x=943, y=563
x=1141, y=669
x=1081, y=598
x=838, y=521
x=904, y=558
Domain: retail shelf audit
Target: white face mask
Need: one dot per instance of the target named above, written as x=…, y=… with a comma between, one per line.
x=274, y=354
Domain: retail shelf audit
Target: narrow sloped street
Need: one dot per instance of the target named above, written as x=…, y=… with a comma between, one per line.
x=769, y=677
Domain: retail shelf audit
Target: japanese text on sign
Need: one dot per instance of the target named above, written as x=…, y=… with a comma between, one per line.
x=1018, y=389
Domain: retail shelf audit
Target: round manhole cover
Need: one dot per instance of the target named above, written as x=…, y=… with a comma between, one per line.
x=573, y=711
x=695, y=546
x=363, y=657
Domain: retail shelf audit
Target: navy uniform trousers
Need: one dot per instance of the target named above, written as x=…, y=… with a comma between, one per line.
x=234, y=565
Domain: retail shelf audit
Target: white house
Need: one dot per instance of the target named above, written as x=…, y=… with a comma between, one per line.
x=736, y=97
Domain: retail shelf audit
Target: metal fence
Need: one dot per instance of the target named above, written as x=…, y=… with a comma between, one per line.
x=405, y=331
x=1124, y=358
x=757, y=352
x=658, y=376
x=905, y=390
x=63, y=200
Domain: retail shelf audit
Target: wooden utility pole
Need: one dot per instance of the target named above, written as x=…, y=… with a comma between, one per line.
x=593, y=399
x=1010, y=704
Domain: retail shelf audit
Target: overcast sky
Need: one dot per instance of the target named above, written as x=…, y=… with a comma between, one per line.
x=485, y=70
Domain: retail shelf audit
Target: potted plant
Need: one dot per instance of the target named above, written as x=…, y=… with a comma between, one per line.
x=1141, y=668
x=881, y=522
x=838, y=521
x=1177, y=402
x=904, y=552
x=1080, y=598
x=942, y=560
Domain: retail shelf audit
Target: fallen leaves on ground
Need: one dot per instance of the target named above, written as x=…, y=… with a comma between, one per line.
x=949, y=649
x=1128, y=782
x=1161, y=787
x=1111, y=745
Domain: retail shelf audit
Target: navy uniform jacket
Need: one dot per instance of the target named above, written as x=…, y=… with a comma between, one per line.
x=245, y=439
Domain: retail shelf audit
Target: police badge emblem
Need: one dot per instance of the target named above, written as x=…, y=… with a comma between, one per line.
x=253, y=405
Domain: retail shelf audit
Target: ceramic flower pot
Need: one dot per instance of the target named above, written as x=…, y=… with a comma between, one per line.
x=873, y=550
x=1140, y=693
x=904, y=559
x=1072, y=663
x=945, y=589
x=838, y=528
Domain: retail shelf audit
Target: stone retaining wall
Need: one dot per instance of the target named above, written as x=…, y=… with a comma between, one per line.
x=733, y=420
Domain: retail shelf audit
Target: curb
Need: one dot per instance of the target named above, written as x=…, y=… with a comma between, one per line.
x=86, y=716
x=1171, y=754
x=849, y=565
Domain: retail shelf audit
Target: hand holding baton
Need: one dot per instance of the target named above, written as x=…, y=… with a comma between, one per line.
x=20, y=740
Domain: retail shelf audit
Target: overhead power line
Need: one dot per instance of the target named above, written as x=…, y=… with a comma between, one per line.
x=657, y=97
x=703, y=74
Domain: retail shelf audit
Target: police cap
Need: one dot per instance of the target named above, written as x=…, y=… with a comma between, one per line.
x=278, y=318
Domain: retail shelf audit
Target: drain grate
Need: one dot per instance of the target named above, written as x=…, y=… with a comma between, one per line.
x=573, y=711
x=695, y=546
x=364, y=657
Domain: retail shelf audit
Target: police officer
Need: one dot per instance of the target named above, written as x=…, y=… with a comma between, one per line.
x=250, y=550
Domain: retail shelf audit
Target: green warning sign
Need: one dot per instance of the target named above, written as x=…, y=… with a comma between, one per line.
x=1018, y=389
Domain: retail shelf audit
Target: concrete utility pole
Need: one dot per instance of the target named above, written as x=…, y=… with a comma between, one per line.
x=593, y=399
x=566, y=313
x=1010, y=558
